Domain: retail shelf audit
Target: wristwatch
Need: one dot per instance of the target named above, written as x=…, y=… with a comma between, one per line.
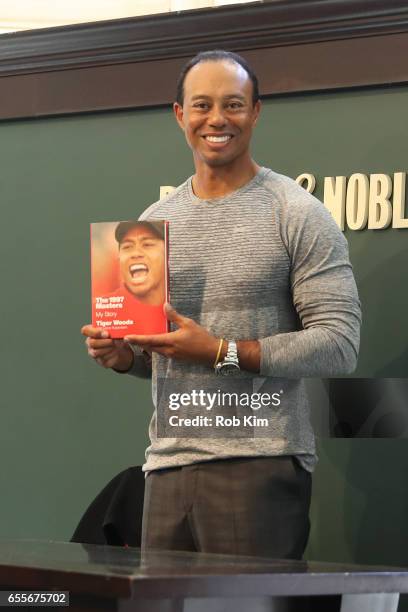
x=230, y=364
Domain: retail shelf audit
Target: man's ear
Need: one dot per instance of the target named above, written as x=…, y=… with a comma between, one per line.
x=257, y=110
x=178, y=113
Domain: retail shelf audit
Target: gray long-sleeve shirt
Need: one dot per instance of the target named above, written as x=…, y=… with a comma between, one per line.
x=265, y=262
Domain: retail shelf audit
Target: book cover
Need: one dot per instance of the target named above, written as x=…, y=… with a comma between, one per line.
x=129, y=271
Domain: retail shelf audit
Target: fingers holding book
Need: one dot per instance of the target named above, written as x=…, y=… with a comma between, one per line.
x=190, y=342
x=107, y=352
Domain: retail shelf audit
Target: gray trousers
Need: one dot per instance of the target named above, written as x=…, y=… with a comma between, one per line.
x=246, y=506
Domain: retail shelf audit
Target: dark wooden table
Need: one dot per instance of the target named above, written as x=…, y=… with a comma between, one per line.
x=112, y=578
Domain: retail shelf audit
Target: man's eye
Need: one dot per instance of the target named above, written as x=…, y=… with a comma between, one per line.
x=201, y=105
x=149, y=243
x=235, y=105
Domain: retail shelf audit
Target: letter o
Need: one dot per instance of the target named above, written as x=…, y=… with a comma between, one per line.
x=357, y=201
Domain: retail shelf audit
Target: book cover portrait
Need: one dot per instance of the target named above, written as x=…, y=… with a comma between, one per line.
x=129, y=276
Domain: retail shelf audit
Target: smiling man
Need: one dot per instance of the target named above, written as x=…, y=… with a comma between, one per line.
x=261, y=288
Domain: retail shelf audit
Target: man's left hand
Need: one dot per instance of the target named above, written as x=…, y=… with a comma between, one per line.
x=190, y=342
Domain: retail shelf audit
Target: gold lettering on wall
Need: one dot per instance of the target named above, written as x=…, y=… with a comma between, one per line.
x=375, y=202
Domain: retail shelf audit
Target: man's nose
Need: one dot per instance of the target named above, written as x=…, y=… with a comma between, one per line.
x=136, y=251
x=217, y=118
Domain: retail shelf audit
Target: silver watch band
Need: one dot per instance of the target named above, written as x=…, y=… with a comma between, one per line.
x=232, y=351
x=230, y=363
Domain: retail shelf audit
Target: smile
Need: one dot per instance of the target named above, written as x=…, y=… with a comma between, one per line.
x=224, y=138
x=138, y=272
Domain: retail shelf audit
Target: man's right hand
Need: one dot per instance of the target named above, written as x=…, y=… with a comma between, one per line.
x=107, y=352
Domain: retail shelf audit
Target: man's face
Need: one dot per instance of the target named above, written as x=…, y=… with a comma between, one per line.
x=217, y=115
x=142, y=263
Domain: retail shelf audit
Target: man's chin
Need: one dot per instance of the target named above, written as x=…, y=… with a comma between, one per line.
x=147, y=296
x=137, y=293
x=217, y=161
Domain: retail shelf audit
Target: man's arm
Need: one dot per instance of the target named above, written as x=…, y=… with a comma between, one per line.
x=324, y=295
x=141, y=365
x=327, y=346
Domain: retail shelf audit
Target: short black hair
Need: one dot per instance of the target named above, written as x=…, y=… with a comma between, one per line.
x=218, y=55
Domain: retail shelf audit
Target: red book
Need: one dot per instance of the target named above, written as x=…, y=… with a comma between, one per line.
x=129, y=269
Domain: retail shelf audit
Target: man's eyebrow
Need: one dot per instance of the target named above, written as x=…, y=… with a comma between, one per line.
x=237, y=96
x=200, y=97
x=142, y=237
x=227, y=97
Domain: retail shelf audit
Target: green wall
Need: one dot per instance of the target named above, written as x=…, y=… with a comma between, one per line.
x=340, y=134
x=68, y=426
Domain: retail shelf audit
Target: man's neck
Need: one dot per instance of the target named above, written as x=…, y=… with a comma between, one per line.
x=216, y=182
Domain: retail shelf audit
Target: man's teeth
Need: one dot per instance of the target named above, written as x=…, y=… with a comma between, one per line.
x=136, y=268
x=218, y=138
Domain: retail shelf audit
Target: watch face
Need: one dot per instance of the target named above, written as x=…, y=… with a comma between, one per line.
x=229, y=369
